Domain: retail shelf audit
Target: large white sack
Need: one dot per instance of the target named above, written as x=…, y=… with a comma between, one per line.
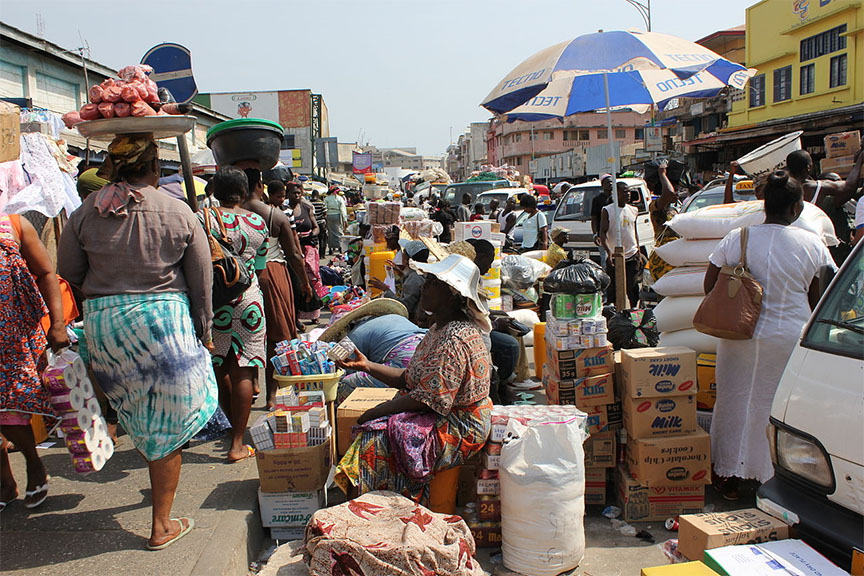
x=684, y=281
x=692, y=338
x=684, y=252
x=676, y=312
x=542, y=473
x=717, y=221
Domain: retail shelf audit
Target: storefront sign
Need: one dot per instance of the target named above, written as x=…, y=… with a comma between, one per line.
x=362, y=163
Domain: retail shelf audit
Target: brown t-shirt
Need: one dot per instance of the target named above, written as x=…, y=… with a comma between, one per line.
x=159, y=247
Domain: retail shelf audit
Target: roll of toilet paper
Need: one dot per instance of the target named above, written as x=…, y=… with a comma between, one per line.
x=107, y=447
x=77, y=398
x=85, y=419
x=81, y=442
x=100, y=427
x=93, y=406
x=87, y=387
x=87, y=463
x=62, y=404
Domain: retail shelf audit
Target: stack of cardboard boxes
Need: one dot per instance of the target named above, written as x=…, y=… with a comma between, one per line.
x=840, y=149
x=293, y=446
x=490, y=283
x=668, y=461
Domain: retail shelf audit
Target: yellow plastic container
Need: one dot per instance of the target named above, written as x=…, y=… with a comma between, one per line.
x=539, y=349
x=443, y=489
x=378, y=268
x=329, y=383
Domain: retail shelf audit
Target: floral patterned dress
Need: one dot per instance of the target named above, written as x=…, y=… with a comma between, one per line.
x=239, y=327
x=22, y=340
x=450, y=374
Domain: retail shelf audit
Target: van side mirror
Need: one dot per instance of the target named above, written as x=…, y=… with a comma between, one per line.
x=826, y=275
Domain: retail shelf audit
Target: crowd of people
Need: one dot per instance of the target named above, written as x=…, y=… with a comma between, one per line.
x=172, y=355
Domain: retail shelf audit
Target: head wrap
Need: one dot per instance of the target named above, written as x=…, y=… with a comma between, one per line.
x=126, y=151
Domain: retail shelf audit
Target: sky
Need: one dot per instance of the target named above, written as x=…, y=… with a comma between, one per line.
x=393, y=73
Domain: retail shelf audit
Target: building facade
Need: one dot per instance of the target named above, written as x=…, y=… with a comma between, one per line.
x=517, y=143
x=810, y=58
x=302, y=114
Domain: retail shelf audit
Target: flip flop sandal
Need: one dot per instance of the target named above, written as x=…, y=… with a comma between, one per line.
x=183, y=531
x=249, y=452
x=43, y=490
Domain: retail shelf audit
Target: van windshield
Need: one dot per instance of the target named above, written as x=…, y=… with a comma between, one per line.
x=838, y=326
x=576, y=204
x=453, y=193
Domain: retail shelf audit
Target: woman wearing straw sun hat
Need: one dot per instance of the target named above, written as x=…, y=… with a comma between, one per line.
x=445, y=389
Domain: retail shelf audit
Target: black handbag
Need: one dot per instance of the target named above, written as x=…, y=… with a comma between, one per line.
x=231, y=278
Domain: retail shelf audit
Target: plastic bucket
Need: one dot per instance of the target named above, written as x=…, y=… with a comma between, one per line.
x=443, y=489
x=539, y=349
x=770, y=156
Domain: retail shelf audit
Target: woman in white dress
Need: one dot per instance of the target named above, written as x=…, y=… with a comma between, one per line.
x=786, y=261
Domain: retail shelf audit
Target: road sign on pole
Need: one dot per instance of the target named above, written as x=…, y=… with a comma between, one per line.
x=172, y=69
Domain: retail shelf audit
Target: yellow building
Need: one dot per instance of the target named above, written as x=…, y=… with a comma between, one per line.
x=810, y=58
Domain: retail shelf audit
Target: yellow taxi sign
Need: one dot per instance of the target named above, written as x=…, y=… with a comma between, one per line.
x=745, y=185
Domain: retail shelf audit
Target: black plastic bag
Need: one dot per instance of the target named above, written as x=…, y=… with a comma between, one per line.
x=582, y=276
x=675, y=170
x=631, y=328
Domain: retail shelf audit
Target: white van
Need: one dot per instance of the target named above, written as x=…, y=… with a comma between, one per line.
x=816, y=430
x=574, y=214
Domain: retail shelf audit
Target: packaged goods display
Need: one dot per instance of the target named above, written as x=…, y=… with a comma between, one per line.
x=383, y=213
x=670, y=460
x=664, y=416
x=580, y=392
x=655, y=372
x=301, y=358
x=85, y=431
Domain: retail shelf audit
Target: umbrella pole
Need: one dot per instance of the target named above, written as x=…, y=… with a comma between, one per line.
x=618, y=256
x=188, y=178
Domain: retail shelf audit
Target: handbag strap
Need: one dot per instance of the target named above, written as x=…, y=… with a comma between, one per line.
x=745, y=234
x=216, y=252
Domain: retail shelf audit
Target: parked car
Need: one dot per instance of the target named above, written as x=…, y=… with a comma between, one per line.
x=454, y=192
x=815, y=432
x=713, y=196
x=574, y=213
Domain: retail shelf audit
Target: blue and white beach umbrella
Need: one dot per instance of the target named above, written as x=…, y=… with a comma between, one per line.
x=612, y=69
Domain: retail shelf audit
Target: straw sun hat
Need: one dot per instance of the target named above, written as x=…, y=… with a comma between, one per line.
x=378, y=307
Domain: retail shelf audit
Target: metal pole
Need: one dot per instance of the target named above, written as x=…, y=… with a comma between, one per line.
x=188, y=178
x=618, y=256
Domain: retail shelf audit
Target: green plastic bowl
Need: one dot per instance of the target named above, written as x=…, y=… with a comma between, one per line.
x=246, y=139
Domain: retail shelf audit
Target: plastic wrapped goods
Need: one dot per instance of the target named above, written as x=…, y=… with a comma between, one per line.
x=631, y=328
x=521, y=273
x=691, y=338
x=542, y=474
x=717, y=221
x=582, y=276
x=685, y=281
x=684, y=252
x=676, y=313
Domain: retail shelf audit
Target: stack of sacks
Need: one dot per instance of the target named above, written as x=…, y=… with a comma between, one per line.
x=73, y=398
x=701, y=231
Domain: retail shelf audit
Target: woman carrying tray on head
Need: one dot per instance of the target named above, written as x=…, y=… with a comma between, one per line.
x=141, y=259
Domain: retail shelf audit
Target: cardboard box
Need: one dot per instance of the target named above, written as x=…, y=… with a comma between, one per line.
x=784, y=557
x=489, y=508
x=706, y=381
x=595, y=486
x=569, y=364
x=288, y=534
x=664, y=416
x=600, y=450
x=670, y=461
x=357, y=403
x=294, y=469
x=284, y=509
x=685, y=569
x=842, y=144
x=655, y=372
x=642, y=503
x=700, y=532
x=10, y=132
x=488, y=486
x=580, y=392
x=491, y=461
x=486, y=534
x=841, y=165
x=478, y=230
x=603, y=418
